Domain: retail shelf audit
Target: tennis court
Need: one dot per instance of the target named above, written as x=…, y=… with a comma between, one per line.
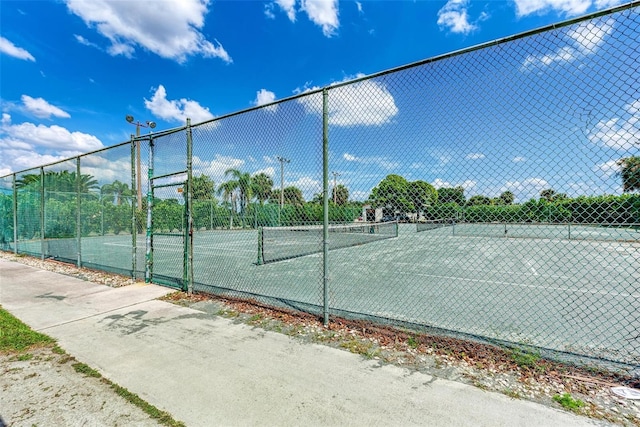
x=576, y=295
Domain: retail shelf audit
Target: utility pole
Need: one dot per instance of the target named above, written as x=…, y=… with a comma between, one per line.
x=335, y=192
x=148, y=124
x=282, y=161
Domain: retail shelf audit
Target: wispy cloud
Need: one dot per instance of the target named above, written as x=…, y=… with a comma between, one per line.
x=381, y=162
x=8, y=48
x=474, y=156
x=620, y=133
x=454, y=16
x=583, y=40
x=177, y=110
x=169, y=29
x=323, y=13
x=42, y=109
x=568, y=7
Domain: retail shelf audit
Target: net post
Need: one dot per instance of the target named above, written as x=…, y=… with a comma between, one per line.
x=134, y=230
x=260, y=247
x=42, y=206
x=78, y=212
x=325, y=206
x=149, y=236
x=15, y=216
x=189, y=225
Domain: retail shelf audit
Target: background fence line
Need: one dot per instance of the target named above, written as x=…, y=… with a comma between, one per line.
x=490, y=194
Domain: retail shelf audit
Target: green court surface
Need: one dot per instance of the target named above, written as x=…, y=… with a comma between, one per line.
x=579, y=295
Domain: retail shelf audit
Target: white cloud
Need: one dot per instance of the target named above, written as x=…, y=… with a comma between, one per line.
x=365, y=103
x=288, y=7
x=269, y=171
x=42, y=109
x=583, y=40
x=519, y=159
x=467, y=185
x=604, y=4
x=176, y=110
x=620, y=133
x=454, y=16
x=27, y=145
x=323, y=13
x=529, y=188
x=307, y=185
x=216, y=167
x=170, y=29
x=609, y=168
x=263, y=97
x=378, y=161
x=359, y=6
x=568, y=7
x=474, y=156
x=10, y=49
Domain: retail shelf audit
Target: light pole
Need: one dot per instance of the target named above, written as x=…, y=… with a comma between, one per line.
x=282, y=161
x=335, y=192
x=138, y=125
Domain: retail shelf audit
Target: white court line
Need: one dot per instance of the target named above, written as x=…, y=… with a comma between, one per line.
x=496, y=282
x=531, y=267
x=524, y=273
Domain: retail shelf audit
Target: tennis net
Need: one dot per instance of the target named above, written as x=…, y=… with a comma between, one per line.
x=280, y=243
x=433, y=224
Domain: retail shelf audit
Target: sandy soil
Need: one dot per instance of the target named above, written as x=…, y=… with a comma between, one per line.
x=46, y=390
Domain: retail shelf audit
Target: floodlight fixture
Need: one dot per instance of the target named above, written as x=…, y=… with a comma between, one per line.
x=129, y=118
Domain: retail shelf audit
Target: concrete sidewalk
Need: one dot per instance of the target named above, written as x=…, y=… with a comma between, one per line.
x=208, y=371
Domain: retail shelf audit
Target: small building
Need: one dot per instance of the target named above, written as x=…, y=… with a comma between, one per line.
x=370, y=214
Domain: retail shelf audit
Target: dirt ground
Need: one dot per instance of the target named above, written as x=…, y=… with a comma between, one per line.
x=42, y=388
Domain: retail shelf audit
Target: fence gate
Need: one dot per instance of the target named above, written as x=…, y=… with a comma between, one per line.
x=169, y=224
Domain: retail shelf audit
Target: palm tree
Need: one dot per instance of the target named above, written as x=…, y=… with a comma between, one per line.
x=117, y=190
x=227, y=189
x=241, y=182
x=261, y=186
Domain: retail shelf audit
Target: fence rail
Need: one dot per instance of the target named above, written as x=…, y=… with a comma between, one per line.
x=490, y=193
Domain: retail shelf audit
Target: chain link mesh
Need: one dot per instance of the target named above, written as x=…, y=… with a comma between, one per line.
x=508, y=173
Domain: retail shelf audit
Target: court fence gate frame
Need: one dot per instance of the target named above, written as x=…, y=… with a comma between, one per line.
x=506, y=175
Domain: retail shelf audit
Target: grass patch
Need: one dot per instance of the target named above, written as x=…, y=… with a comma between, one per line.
x=511, y=393
x=24, y=357
x=155, y=413
x=525, y=359
x=412, y=342
x=86, y=370
x=568, y=402
x=15, y=336
x=366, y=349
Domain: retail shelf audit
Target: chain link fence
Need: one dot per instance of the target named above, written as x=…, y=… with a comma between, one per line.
x=490, y=193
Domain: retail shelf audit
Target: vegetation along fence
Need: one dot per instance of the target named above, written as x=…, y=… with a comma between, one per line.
x=490, y=194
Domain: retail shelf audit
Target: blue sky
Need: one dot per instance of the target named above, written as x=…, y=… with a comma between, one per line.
x=71, y=70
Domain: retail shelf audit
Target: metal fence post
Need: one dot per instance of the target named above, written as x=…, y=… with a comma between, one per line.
x=189, y=230
x=134, y=228
x=42, y=217
x=15, y=216
x=325, y=204
x=148, y=270
x=78, y=213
